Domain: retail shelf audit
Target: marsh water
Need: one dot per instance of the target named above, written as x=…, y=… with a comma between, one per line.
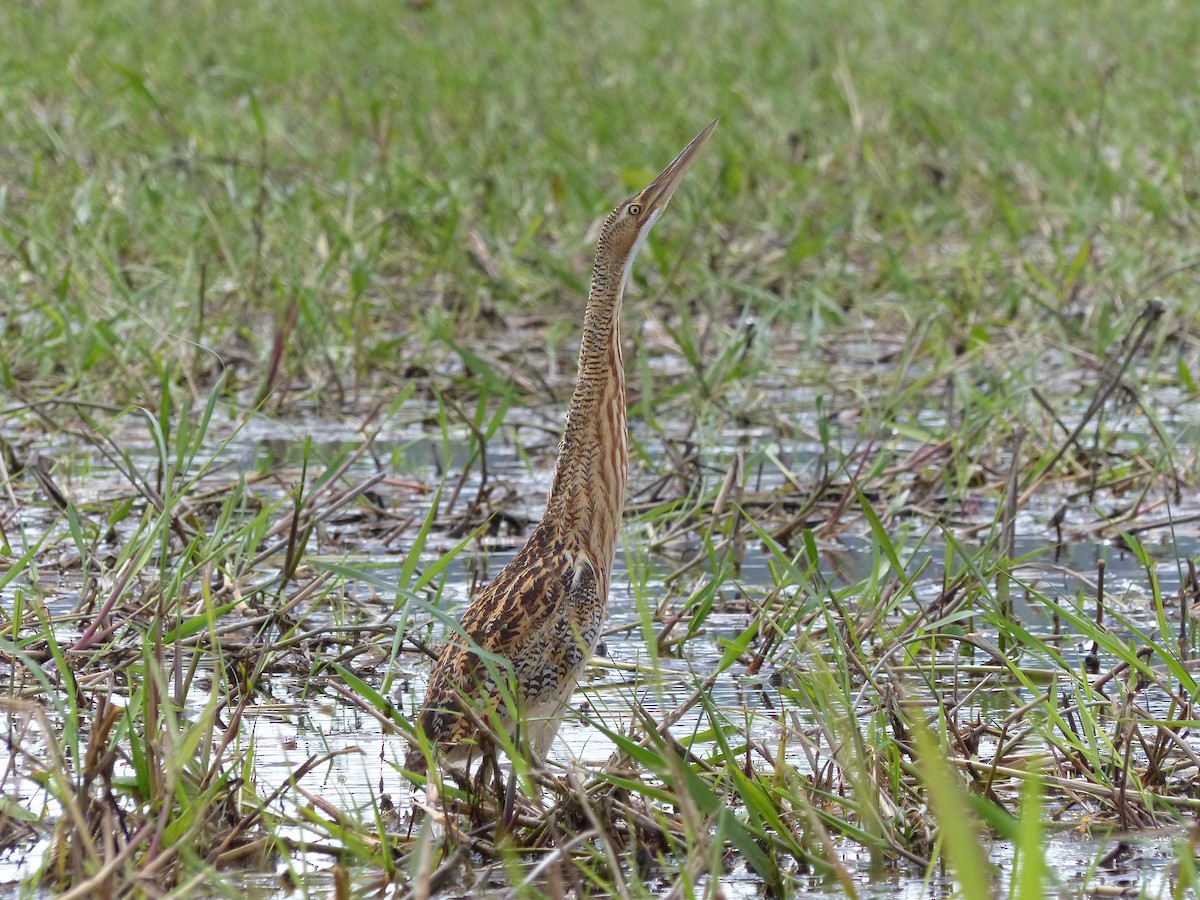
x=294, y=721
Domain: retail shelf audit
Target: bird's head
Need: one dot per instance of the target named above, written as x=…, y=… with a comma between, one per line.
x=626, y=227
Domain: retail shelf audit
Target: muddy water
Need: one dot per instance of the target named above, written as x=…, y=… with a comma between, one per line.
x=289, y=727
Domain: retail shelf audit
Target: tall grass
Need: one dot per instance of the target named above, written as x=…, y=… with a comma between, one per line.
x=288, y=304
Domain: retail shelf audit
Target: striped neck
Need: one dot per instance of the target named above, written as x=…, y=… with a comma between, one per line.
x=587, y=495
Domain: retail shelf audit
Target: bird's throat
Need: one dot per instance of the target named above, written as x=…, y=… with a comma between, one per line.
x=587, y=495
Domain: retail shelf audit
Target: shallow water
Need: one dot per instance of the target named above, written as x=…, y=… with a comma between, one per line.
x=289, y=727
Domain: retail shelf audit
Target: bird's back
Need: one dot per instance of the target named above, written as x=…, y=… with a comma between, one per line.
x=536, y=623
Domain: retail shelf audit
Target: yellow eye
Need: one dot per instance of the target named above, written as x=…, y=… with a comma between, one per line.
x=634, y=209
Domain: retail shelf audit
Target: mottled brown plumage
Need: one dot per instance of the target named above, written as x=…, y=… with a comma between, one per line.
x=538, y=620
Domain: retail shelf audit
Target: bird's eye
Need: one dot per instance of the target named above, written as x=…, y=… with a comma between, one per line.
x=634, y=209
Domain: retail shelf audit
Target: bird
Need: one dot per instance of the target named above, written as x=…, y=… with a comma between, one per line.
x=513, y=663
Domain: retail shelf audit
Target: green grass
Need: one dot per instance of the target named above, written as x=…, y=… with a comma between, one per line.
x=898, y=316
x=188, y=174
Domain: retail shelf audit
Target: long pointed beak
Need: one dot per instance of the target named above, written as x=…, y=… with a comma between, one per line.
x=658, y=193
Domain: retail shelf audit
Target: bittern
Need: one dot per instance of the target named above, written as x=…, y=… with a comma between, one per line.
x=538, y=620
